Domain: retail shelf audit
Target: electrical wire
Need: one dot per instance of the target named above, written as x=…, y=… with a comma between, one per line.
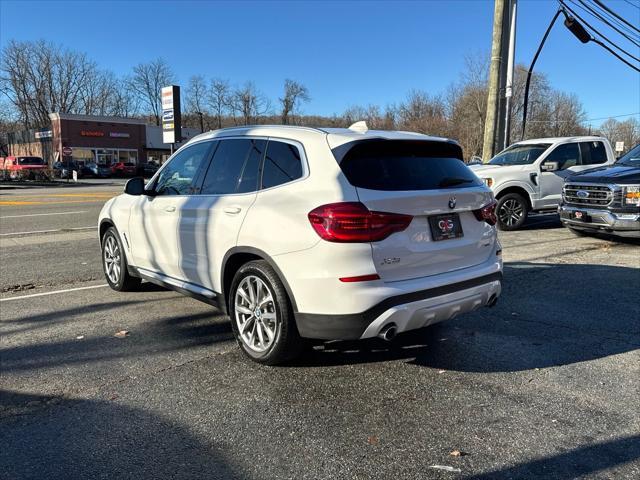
x=607, y=9
x=605, y=38
x=585, y=7
x=587, y=120
x=613, y=19
x=633, y=4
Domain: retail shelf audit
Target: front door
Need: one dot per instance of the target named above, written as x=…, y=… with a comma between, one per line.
x=567, y=158
x=155, y=219
x=210, y=221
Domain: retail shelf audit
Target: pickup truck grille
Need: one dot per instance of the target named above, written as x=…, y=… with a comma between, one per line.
x=592, y=195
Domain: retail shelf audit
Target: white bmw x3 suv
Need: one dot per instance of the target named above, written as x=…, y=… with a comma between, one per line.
x=303, y=233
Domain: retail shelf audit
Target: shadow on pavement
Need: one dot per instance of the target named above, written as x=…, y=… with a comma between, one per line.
x=545, y=317
x=573, y=463
x=100, y=439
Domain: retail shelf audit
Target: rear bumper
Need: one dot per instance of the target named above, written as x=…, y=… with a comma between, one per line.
x=407, y=311
x=622, y=224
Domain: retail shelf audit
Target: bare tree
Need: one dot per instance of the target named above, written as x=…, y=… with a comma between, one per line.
x=147, y=81
x=627, y=131
x=219, y=99
x=39, y=78
x=294, y=94
x=423, y=113
x=249, y=104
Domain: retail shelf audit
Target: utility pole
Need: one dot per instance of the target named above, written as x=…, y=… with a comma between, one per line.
x=493, y=100
x=509, y=84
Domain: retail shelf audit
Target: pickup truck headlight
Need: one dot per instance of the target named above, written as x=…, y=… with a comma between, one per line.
x=488, y=182
x=632, y=195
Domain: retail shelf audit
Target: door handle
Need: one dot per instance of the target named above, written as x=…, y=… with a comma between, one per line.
x=232, y=210
x=170, y=209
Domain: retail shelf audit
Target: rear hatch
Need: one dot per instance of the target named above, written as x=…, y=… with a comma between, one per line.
x=429, y=181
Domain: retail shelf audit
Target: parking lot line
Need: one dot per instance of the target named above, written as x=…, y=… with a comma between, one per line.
x=22, y=297
x=43, y=214
x=36, y=232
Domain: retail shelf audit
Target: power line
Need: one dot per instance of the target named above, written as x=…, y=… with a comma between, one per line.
x=632, y=4
x=613, y=19
x=584, y=121
x=595, y=40
x=604, y=7
x=585, y=6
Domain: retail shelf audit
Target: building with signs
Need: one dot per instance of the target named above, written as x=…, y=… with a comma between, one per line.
x=89, y=138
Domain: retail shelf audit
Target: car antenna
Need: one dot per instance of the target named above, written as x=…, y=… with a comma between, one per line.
x=360, y=126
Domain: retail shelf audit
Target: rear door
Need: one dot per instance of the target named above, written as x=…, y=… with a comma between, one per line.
x=429, y=181
x=210, y=220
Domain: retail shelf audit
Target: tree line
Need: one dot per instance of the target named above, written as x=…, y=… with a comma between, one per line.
x=37, y=78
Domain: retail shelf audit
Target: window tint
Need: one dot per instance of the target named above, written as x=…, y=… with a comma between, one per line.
x=178, y=176
x=593, y=153
x=282, y=164
x=407, y=165
x=566, y=155
x=234, y=167
x=30, y=161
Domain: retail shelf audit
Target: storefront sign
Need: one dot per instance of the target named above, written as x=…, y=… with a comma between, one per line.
x=91, y=133
x=119, y=135
x=171, y=119
x=44, y=134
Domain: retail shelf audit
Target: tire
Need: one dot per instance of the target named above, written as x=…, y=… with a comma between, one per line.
x=512, y=211
x=114, y=263
x=266, y=333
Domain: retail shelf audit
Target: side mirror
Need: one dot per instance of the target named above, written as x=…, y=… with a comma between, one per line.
x=135, y=186
x=550, y=166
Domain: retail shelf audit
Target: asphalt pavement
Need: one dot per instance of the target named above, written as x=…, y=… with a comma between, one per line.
x=544, y=385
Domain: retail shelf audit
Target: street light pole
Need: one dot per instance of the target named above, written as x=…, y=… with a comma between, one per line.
x=510, y=63
x=530, y=71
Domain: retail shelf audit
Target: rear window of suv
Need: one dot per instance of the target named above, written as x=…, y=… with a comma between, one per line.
x=395, y=165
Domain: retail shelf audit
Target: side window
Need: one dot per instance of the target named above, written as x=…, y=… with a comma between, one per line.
x=566, y=155
x=282, y=164
x=177, y=178
x=234, y=167
x=593, y=153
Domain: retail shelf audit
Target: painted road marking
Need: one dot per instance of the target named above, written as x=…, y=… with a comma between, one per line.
x=44, y=214
x=36, y=232
x=10, y=203
x=9, y=299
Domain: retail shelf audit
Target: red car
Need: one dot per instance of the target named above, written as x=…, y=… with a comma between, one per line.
x=22, y=167
x=123, y=169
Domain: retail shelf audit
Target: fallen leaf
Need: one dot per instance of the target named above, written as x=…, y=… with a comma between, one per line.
x=446, y=468
x=373, y=440
x=457, y=453
x=115, y=396
x=121, y=333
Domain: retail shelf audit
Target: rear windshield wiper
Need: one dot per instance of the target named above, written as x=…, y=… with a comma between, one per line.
x=453, y=181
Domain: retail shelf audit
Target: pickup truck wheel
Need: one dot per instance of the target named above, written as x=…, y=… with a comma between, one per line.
x=512, y=211
x=114, y=263
x=261, y=315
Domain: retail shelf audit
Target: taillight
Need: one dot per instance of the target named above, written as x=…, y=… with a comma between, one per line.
x=353, y=222
x=487, y=213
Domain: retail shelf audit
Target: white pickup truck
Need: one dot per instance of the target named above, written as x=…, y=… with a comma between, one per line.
x=529, y=175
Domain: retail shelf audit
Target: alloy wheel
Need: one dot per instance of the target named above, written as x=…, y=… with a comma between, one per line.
x=510, y=213
x=255, y=314
x=111, y=257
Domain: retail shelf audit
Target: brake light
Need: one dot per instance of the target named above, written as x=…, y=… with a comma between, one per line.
x=351, y=222
x=361, y=278
x=487, y=213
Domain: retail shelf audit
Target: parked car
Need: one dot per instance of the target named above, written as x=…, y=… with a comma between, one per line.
x=148, y=170
x=23, y=167
x=92, y=169
x=65, y=169
x=123, y=169
x=528, y=176
x=310, y=233
x=605, y=200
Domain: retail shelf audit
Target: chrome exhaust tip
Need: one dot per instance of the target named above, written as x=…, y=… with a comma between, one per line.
x=492, y=301
x=388, y=332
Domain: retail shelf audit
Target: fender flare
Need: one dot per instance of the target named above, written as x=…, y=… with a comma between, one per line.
x=264, y=256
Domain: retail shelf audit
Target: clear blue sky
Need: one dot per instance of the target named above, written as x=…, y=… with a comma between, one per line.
x=346, y=53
